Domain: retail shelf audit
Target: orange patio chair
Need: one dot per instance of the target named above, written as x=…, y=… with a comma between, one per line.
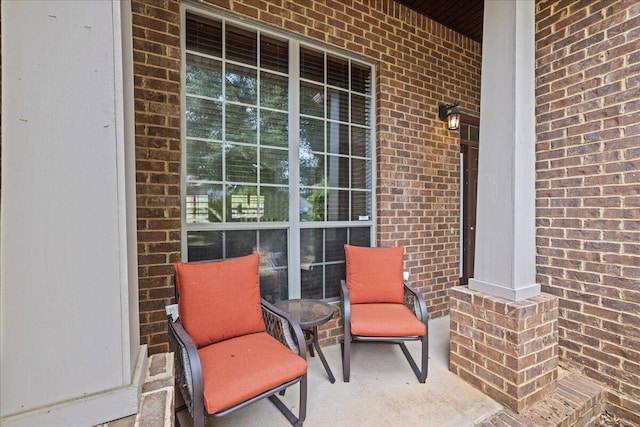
x=378, y=306
x=231, y=347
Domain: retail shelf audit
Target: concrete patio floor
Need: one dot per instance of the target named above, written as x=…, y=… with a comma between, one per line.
x=383, y=391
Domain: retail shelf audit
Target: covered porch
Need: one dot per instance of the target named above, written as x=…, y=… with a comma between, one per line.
x=91, y=207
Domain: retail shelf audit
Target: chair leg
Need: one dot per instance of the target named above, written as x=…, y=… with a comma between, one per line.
x=425, y=357
x=345, y=346
x=421, y=374
x=302, y=413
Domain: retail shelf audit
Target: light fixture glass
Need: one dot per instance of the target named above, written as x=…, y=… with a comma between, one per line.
x=451, y=114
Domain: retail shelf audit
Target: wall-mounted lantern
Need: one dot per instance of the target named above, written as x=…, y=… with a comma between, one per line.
x=451, y=114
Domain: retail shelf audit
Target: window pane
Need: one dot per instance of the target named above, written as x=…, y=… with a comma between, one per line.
x=311, y=263
x=311, y=169
x=360, y=236
x=311, y=65
x=274, y=91
x=204, y=245
x=273, y=248
x=338, y=205
x=274, y=271
x=464, y=131
x=474, y=133
x=360, y=173
x=337, y=72
x=204, y=35
x=311, y=247
x=322, y=261
x=360, y=108
x=204, y=161
x=338, y=138
x=337, y=105
x=274, y=204
x=204, y=118
x=241, y=163
x=203, y=203
x=338, y=171
x=334, y=244
x=311, y=99
x=240, y=243
x=360, y=78
x=274, y=54
x=312, y=283
x=242, y=204
x=360, y=206
x=274, y=284
x=274, y=166
x=312, y=204
x=242, y=84
x=203, y=76
x=274, y=128
x=312, y=134
x=241, y=45
x=241, y=124
x=360, y=141
x=333, y=274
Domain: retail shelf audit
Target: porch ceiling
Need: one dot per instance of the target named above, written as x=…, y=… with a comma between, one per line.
x=463, y=16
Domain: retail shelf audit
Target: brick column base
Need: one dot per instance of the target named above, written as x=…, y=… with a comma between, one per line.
x=509, y=350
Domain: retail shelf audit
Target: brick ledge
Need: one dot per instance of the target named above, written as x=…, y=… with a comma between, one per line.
x=576, y=402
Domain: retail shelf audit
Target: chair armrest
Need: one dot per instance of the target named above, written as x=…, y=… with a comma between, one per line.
x=284, y=328
x=188, y=370
x=345, y=300
x=415, y=301
x=345, y=305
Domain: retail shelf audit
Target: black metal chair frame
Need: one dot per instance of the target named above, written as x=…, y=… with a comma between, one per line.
x=188, y=369
x=415, y=302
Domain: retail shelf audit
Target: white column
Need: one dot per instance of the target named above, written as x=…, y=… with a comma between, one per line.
x=71, y=352
x=505, y=224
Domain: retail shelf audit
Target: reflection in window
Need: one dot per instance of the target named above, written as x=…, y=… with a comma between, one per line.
x=245, y=206
x=197, y=206
x=204, y=203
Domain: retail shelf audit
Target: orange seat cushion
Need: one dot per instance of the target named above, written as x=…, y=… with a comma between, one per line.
x=240, y=368
x=385, y=320
x=219, y=300
x=374, y=274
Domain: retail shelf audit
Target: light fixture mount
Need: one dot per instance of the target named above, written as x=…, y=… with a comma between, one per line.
x=450, y=113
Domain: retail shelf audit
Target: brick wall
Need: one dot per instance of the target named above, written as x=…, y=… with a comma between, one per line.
x=588, y=196
x=156, y=56
x=419, y=63
x=507, y=349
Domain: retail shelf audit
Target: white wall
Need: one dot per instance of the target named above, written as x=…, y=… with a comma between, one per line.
x=68, y=293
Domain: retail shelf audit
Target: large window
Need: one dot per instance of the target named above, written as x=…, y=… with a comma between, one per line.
x=277, y=143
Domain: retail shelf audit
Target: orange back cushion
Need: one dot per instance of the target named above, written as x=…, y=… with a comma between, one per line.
x=374, y=275
x=219, y=300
